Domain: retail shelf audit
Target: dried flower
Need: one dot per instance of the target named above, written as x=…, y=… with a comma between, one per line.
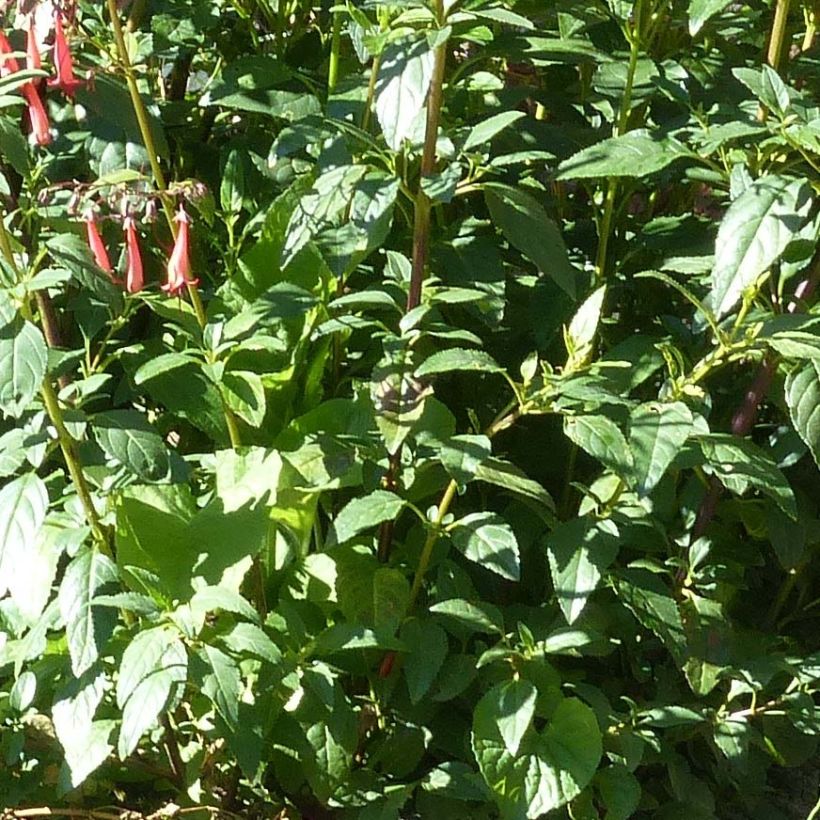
x=179, y=265
x=96, y=244
x=134, y=280
x=63, y=64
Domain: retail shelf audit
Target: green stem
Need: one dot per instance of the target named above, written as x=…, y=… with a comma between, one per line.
x=55, y=414
x=430, y=542
x=621, y=127
x=148, y=140
x=421, y=222
x=335, y=48
x=776, y=41
x=72, y=460
x=159, y=178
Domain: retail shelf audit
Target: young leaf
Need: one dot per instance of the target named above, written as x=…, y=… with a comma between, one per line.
x=803, y=398
x=525, y=224
x=657, y=432
x=486, y=539
x=363, y=513
x=87, y=627
x=152, y=664
x=405, y=72
x=579, y=551
x=753, y=234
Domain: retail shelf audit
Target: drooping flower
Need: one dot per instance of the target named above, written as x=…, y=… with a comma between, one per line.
x=96, y=244
x=36, y=110
x=134, y=280
x=33, y=60
x=179, y=265
x=8, y=63
x=63, y=64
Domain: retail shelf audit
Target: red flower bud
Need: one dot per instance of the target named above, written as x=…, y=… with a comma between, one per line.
x=96, y=244
x=179, y=265
x=63, y=64
x=134, y=280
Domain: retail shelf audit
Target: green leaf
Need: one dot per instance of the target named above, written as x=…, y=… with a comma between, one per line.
x=87, y=627
x=701, y=10
x=637, y=153
x=620, y=791
x=153, y=664
x=391, y=596
x=126, y=437
x=579, y=551
x=526, y=226
x=657, y=431
x=487, y=129
x=85, y=741
x=476, y=617
x=232, y=187
x=515, y=708
x=551, y=767
x=223, y=685
x=30, y=585
x=214, y=598
x=649, y=600
x=740, y=464
x=486, y=539
x=245, y=394
x=803, y=398
x=350, y=637
x=753, y=234
x=795, y=344
x=363, y=513
x=580, y=335
x=405, y=71
x=23, y=359
x=509, y=477
x=248, y=639
x=601, y=438
x=427, y=647
x=460, y=359
x=23, y=507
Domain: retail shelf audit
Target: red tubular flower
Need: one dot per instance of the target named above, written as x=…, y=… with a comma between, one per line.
x=134, y=280
x=8, y=64
x=96, y=244
x=36, y=110
x=32, y=51
x=63, y=64
x=179, y=265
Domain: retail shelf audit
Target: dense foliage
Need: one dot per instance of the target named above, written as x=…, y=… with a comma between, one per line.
x=409, y=410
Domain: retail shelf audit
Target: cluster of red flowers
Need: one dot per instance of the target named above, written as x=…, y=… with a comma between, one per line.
x=64, y=78
x=178, y=270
